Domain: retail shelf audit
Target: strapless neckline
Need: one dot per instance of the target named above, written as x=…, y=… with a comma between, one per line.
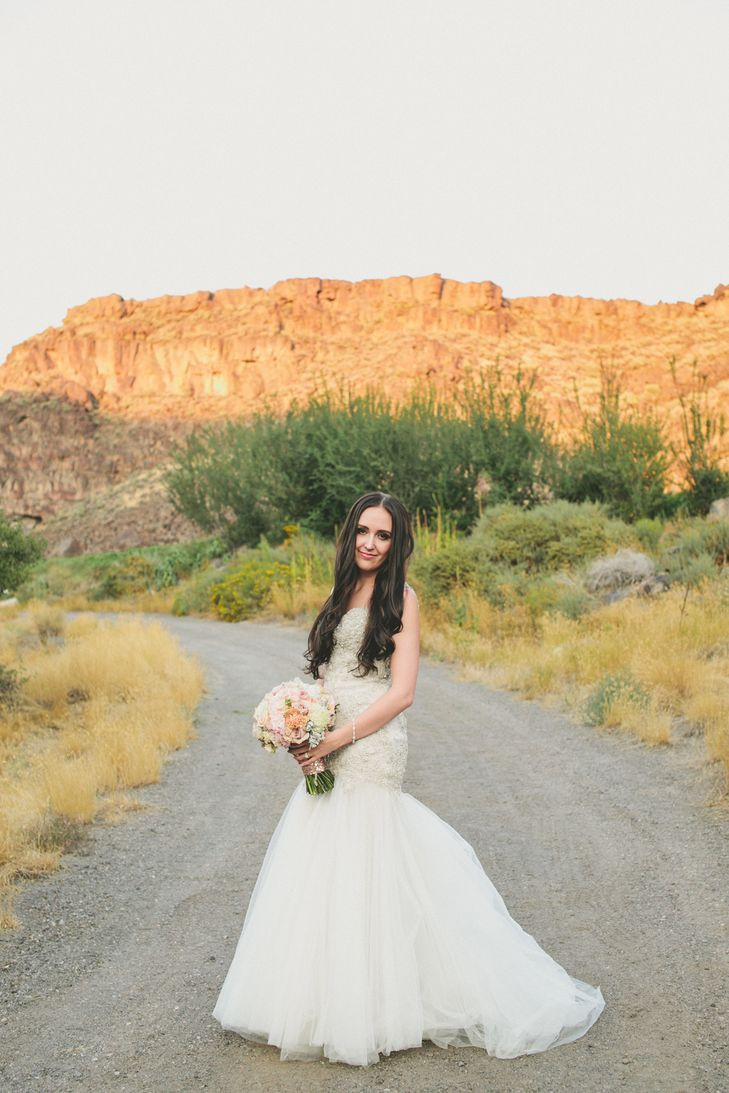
x=364, y=607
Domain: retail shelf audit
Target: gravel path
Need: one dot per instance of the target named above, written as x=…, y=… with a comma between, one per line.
x=602, y=849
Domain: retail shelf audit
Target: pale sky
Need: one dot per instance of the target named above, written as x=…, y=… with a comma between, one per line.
x=166, y=146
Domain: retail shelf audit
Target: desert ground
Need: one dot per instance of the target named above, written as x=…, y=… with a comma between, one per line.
x=605, y=850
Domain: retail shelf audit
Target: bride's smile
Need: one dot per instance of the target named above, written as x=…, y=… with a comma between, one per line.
x=374, y=537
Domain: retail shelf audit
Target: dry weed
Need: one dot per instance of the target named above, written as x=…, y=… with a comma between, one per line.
x=292, y=601
x=100, y=705
x=677, y=652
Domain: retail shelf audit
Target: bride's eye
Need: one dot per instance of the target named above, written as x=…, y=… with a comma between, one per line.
x=383, y=534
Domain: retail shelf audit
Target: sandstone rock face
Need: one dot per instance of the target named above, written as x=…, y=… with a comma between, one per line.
x=106, y=395
x=87, y=481
x=133, y=512
x=225, y=353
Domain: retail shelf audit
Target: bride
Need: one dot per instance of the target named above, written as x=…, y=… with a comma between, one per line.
x=372, y=925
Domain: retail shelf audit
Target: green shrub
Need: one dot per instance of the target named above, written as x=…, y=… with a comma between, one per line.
x=419, y=450
x=553, y=595
x=707, y=484
x=248, y=480
x=512, y=554
x=10, y=684
x=488, y=443
x=36, y=586
x=541, y=597
x=453, y=565
x=610, y=688
x=619, y=459
x=126, y=578
x=702, y=431
x=693, y=571
x=182, y=560
x=573, y=601
x=193, y=597
x=559, y=535
x=716, y=541
x=310, y=557
x=695, y=549
x=19, y=552
x=648, y=533
x=309, y=560
x=230, y=480
x=114, y=574
x=248, y=589
x=513, y=444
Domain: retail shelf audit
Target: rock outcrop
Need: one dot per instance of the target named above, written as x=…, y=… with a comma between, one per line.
x=104, y=396
x=217, y=354
x=86, y=480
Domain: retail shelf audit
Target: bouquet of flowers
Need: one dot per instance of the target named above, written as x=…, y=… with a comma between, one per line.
x=296, y=713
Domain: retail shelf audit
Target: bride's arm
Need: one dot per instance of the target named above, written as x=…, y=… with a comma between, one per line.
x=400, y=694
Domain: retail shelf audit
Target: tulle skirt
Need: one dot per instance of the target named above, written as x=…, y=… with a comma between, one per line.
x=372, y=926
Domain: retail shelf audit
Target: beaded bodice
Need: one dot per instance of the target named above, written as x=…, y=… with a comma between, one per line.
x=380, y=757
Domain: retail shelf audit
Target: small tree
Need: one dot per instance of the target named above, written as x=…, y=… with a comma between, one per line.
x=511, y=440
x=619, y=459
x=19, y=552
x=702, y=435
x=227, y=478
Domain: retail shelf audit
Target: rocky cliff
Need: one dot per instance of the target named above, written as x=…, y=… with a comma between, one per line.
x=132, y=374
x=88, y=481
x=213, y=354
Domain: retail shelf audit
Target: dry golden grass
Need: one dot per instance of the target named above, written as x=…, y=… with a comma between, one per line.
x=46, y=620
x=677, y=654
x=148, y=603
x=99, y=705
x=294, y=601
x=651, y=724
x=680, y=658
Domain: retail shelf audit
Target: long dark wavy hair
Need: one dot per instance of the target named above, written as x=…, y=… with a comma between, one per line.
x=385, y=609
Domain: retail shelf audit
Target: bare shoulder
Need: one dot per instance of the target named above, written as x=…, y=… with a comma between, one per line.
x=406, y=656
x=410, y=603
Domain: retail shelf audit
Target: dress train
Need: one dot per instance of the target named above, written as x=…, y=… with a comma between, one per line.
x=373, y=926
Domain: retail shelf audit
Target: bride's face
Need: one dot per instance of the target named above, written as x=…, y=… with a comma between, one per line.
x=374, y=538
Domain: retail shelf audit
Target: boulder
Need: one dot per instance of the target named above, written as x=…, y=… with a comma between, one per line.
x=68, y=548
x=719, y=509
x=617, y=572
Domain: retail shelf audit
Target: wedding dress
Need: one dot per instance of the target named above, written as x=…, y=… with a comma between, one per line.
x=372, y=925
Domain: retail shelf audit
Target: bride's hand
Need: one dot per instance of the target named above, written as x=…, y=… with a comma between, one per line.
x=305, y=755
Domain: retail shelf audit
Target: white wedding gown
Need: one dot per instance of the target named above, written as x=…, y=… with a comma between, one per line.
x=372, y=925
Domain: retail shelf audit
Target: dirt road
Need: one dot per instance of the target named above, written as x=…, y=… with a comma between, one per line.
x=602, y=849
